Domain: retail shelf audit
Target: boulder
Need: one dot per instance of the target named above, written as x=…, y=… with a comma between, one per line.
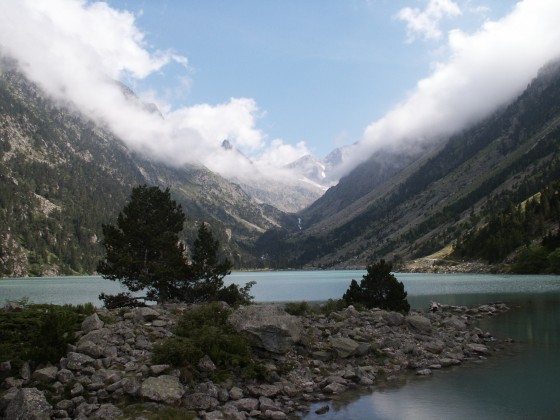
x=144, y=314
x=269, y=327
x=344, y=347
x=393, y=319
x=29, y=404
x=164, y=388
x=455, y=323
x=419, y=323
x=200, y=401
x=247, y=404
x=91, y=323
x=107, y=411
x=477, y=348
x=78, y=361
x=264, y=390
x=47, y=374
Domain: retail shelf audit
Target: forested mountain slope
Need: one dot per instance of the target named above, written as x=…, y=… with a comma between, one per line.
x=427, y=201
x=62, y=176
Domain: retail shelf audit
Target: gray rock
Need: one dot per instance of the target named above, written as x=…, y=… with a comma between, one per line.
x=393, y=319
x=64, y=376
x=90, y=348
x=236, y=393
x=200, y=401
x=215, y=415
x=91, y=323
x=164, y=388
x=269, y=327
x=477, y=348
x=206, y=365
x=107, y=412
x=247, y=404
x=334, y=388
x=28, y=404
x=78, y=361
x=267, y=404
x=264, y=390
x=435, y=346
x=158, y=369
x=47, y=374
x=6, y=397
x=424, y=372
x=77, y=389
x=344, y=347
x=144, y=314
x=275, y=415
x=419, y=323
x=455, y=323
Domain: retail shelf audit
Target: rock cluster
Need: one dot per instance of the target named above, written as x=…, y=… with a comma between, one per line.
x=307, y=359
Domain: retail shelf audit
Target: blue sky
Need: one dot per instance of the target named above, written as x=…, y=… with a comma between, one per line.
x=320, y=71
x=281, y=79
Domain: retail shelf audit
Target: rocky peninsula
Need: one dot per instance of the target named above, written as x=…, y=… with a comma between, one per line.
x=109, y=373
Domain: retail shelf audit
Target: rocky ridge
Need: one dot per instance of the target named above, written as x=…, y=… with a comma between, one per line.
x=307, y=359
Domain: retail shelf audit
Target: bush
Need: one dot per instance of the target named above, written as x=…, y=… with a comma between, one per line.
x=205, y=331
x=378, y=289
x=297, y=308
x=39, y=333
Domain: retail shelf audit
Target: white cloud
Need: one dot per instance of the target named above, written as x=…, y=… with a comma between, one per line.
x=75, y=50
x=484, y=70
x=425, y=23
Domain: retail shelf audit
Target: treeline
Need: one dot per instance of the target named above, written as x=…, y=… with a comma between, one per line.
x=518, y=226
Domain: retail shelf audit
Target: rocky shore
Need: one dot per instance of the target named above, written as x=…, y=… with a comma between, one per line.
x=307, y=359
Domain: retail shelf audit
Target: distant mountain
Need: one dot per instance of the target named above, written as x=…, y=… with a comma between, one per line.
x=62, y=176
x=401, y=205
x=289, y=192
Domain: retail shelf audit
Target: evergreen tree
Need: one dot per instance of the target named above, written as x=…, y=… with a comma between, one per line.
x=205, y=270
x=378, y=289
x=144, y=253
x=143, y=250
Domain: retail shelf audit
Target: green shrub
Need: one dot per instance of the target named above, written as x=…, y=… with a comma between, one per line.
x=297, y=308
x=331, y=305
x=205, y=331
x=39, y=333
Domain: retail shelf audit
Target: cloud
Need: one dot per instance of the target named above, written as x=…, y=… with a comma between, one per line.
x=77, y=50
x=483, y=71
x=425, y=23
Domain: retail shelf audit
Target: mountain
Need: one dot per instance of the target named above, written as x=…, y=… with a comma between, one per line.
x=288, y=190
x=62, y=176
x=405, y=205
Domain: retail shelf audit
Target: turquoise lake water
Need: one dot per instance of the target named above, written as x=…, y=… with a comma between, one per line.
x=520, y=384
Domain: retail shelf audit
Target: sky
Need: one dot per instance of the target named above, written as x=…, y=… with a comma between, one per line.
x=281, y=79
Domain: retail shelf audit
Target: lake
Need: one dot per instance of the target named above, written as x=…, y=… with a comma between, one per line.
x=519, y=384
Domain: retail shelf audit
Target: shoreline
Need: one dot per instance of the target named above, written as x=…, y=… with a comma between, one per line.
x=313, y=359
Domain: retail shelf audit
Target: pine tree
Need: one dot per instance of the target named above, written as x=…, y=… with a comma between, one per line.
x=143, y=249
x=378, y=289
